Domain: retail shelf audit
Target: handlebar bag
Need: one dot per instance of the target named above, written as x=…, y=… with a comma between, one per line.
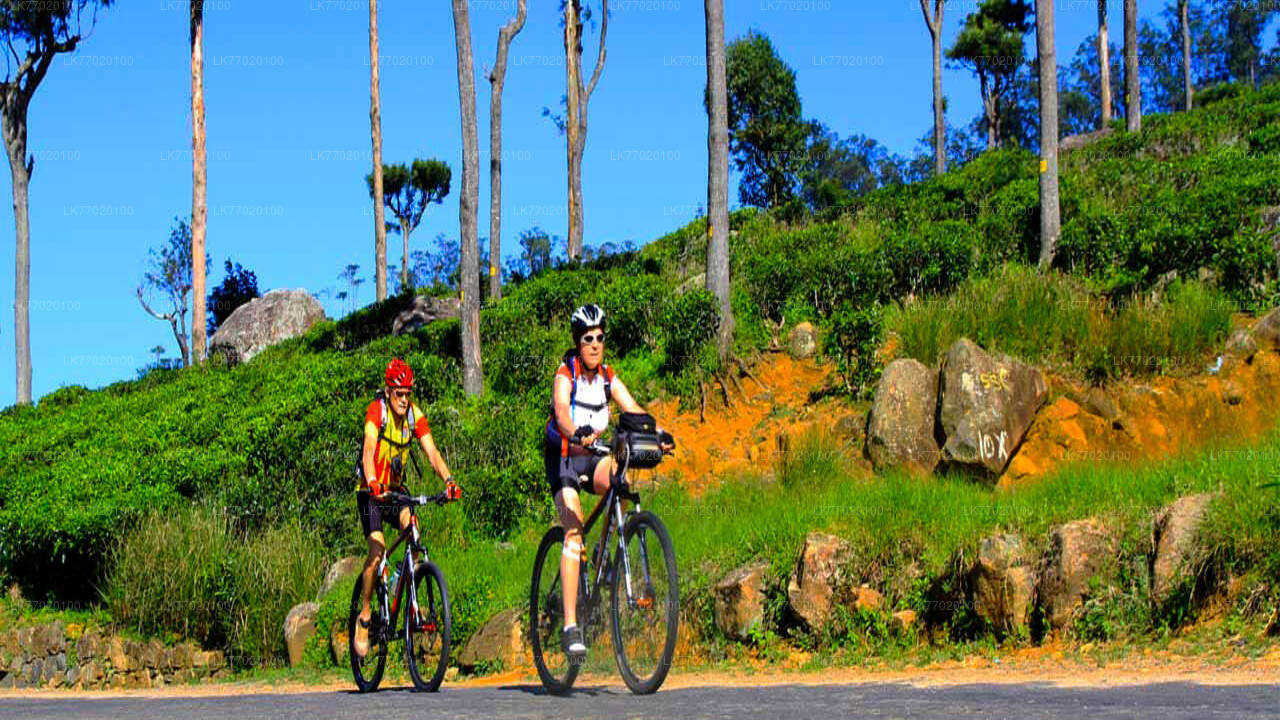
x=640, y=446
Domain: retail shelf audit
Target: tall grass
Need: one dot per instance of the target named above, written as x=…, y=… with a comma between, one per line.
x=1053, y=319
x=189, y=572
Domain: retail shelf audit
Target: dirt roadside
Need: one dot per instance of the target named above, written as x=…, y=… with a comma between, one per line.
x=1025, y=667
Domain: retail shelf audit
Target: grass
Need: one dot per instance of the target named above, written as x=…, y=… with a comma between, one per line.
x=190, y=572
x=1053, y=319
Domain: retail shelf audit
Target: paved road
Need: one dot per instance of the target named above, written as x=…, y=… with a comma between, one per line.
x=1174, y=701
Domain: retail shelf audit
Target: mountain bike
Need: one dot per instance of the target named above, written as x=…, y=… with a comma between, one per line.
x=644, y=592
x=419, y=588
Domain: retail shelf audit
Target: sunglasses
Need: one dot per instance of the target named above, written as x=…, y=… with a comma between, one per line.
x=401, y=394
x=588, y=339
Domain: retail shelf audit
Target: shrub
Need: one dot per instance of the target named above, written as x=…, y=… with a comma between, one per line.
x=852, y=337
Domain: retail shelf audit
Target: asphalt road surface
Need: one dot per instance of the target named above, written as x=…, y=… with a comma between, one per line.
x=1171, y=701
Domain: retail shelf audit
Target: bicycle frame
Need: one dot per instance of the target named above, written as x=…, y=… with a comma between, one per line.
x=391, y=597
x=618, y=492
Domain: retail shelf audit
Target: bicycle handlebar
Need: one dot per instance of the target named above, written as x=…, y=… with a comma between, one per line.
x=416, y=500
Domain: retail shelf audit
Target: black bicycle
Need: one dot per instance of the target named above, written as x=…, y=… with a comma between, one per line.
x=641, y=576
x=418, y=586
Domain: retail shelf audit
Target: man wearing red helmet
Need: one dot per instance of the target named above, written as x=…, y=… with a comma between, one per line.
x=391, y=423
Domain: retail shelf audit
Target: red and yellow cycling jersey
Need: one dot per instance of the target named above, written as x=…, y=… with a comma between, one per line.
x=393, y=442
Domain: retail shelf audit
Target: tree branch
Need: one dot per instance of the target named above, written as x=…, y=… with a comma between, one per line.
x=595, y=74
x=151, y=312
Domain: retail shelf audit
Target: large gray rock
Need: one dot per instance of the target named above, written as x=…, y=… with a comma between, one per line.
x=341, y=568
x=802, y=341
x=1175, y=534
x=1077, y=551
x=900, y=429
x=740, y=600
x=1003, y=583
x=425, y=310
x=1267, y=330
x=500, y=639
x=988, y=403
x=299, y=626
x=1075, y=142
x=820, y=579
x=263, y=322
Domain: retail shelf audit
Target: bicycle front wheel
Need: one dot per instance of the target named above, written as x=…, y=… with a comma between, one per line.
x=367, y=670
x=427, y=628
x=546, y=616
x=645, y=604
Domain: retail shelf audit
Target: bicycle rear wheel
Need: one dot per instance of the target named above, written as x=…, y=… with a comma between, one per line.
x=367, y=671
x=645, y=607
x=426, y=637
x=546, y=616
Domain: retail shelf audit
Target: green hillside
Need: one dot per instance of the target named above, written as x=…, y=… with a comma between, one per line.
x=274, y=440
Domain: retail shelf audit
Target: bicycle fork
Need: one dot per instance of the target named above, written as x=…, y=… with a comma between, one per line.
x=644, y=601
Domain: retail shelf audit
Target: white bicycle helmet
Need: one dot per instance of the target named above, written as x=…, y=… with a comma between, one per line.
x=585, y=318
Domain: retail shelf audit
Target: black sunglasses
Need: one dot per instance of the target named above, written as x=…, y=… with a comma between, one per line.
x=588, y=339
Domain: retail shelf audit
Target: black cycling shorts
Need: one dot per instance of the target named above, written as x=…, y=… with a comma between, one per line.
x=565, y=472
x=373, y=513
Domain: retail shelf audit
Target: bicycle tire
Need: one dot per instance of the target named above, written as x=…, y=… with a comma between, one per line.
x=645, y=521
x=546, y=618
x=366, y=683
x=436, y=602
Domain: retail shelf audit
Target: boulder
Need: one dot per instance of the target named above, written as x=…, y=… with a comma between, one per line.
x=902, y=621
x=339, y=644
x=739, y=600
x=1075, y=142
x=1175, y=534
x=425, y=310
x=1077, y=551
x=900, y=429
x=987, y=404
x=1267, y=330
x=1241, y=345
x=802, y=341
x=341, y=568
x=263, y=322
x=299, y=625
x=1003, y=583
x=500, y=639
x=865, y=599
x=819, y=575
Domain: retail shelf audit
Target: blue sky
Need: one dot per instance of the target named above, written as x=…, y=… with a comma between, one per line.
x=287, y=94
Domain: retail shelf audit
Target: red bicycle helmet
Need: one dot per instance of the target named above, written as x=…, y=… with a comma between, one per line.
x=399, y=374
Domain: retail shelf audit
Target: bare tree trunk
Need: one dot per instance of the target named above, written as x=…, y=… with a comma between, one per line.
x=1132, y=80
x=1104, y=62
x=199, y=179
x=1050, y=213
x=375, y=120
x=573, y=71
x=404, y=259
x=718, y=174
x=991, y=111
x=579, y=97
x=1184, y=20
x=15, y=137
x=497, y=77
x=469, y=276
x=939, y=119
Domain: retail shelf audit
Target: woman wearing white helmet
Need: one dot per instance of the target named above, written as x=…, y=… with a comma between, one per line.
x=583, y=386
